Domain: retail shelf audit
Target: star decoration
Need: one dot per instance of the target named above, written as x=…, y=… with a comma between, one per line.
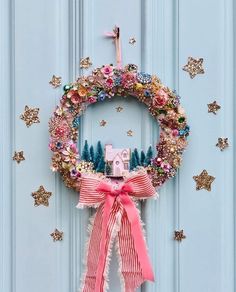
x=222, y=143
x=194, y=67
x=213, y=107
x=119, y=109
x=132, y=41
x=103, y=123
x=204, y=181
x=55, y=81
x=179, y=235
x=130, y=133
x=41, y=197
x=30, y=116
x=18, y=156
x=57, y=235
x=85, y=63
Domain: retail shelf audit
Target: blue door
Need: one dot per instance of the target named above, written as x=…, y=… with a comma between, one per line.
x=43, y=38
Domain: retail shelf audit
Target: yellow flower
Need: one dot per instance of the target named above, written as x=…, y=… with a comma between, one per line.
x=138, y=86
x=82, y=91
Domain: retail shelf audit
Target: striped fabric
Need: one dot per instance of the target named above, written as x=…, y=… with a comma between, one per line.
x=116, y=220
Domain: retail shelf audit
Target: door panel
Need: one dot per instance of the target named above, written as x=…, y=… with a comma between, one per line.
x=42, y=38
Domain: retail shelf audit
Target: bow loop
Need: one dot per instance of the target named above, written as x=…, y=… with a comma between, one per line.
x=94, y=189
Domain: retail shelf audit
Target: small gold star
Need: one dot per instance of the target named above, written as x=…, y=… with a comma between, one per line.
x=30, y=116
x=179, y=235
x=55, y=81
x=41, y=197
x=103, y=123
x=132, y=41
x=130, y=133
x=85, y=63
x=194, y=66
x=203, y=181
x=18, y=156
x=222, y=143
x=57, y=235
x=213, y=107
x=119, y=109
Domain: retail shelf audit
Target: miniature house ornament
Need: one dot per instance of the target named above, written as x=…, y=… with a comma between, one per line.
x=105, y=182
x=117, y=161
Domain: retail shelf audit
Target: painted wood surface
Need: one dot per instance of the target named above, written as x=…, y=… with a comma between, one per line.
x=42, y=38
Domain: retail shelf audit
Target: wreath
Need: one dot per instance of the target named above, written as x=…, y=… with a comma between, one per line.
x=108, y=82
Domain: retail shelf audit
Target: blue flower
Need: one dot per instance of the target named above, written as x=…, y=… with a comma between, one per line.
x=185, y=131
x=147, y=93
x=181, y=132
x=101, y=95
x=117, y=81
x=75, y=122
x=59, y=145
x=144, y=78
x=71, y=109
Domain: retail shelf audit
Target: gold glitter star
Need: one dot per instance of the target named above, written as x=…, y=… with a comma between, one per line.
x=222, y=143
x=41, y=197
x=103, y=123
x=85, y=63
x=179, y=235
x=203, y=181
x=213, y=107
x=18, y=156
x=57, y=235
x=119, y=109
x=130, y=133
x=132, y=41
x=194, y=66
x=30, y=116
x=55, y=81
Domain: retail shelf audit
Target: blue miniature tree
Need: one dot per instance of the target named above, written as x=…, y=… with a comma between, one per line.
x=101, y=165
x=98, y=155
x=85, y=153
x=142, y=158
x=137, y=156
x=133, y=162
x=91, y=152
x=149, y=156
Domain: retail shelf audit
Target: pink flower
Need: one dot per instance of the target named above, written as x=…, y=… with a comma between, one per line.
x=107, y=70
x=70, y=154
x=160, y=99
x=175, y=132
x=128, y=80
x=165, y=166
x=109, y=82
x=74, y=96
x=92, y=99
x=157, y=161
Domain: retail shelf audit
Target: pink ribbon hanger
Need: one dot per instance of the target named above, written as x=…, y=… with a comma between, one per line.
x=115, y=34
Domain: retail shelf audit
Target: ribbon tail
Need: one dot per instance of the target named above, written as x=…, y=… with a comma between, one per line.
x=138, y=238
x=105, y=240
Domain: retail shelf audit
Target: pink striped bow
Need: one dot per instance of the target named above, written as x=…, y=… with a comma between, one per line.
x=117, y=218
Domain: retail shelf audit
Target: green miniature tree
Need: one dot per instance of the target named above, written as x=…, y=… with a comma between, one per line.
x=108, y=168
x=149, y=156
x=142, y=158
x=137, y=156
x=101, y=165
x=85, y=153
x=91, y=152
x=133, y=162
x=98, y=155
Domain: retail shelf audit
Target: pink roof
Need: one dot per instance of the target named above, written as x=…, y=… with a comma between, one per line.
x=110, y=153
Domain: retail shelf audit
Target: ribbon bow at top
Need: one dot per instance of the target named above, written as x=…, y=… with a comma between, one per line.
x=117, y=218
